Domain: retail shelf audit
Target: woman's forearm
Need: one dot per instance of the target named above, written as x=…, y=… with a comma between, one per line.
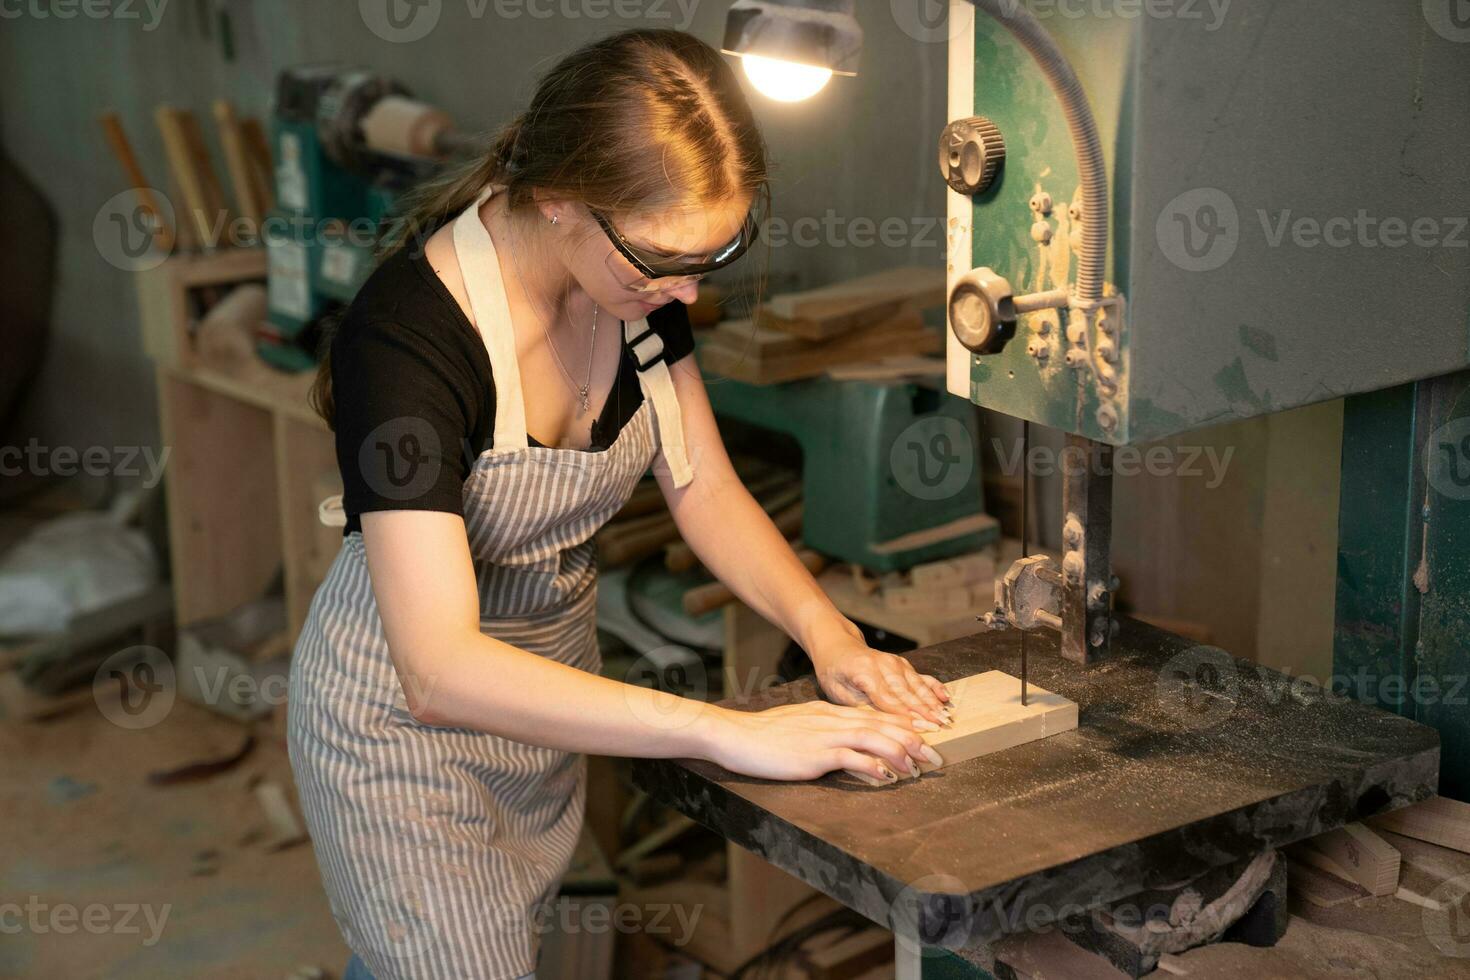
x=475, y=681
x=737, y=541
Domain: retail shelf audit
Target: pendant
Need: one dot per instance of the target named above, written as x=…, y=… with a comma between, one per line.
x=583, y=410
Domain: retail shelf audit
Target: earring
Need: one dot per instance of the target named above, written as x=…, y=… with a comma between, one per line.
x=555, y=218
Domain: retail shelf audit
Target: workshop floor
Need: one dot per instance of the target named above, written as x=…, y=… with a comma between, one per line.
x=83, y=828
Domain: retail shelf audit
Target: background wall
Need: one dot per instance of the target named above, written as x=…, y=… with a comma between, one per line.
x=862, y=149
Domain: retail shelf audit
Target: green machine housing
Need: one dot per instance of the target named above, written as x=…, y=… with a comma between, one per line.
x=1289, y=208
x=332, y=193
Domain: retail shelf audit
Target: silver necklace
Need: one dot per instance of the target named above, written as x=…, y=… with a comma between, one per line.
x=586, y=387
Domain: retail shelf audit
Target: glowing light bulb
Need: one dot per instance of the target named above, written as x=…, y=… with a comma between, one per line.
x=785, y=81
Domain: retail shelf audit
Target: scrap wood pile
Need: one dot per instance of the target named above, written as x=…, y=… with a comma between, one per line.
x=1415, y=854
x=644, y=527
x=870, y=327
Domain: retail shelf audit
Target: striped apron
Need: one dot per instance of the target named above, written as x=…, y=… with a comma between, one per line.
x=441, y=849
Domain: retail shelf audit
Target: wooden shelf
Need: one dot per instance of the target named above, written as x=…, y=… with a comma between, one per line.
x=249, y=458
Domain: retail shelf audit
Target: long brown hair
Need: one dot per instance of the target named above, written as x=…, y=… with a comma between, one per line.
x=645, y=118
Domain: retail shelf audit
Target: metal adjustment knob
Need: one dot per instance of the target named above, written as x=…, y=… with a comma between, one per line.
x=982, y=311
x=970, y=154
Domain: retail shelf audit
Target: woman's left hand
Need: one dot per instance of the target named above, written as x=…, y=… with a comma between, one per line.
x=853, y=673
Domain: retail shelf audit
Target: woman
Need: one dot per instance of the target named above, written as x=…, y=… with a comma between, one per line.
x=446, y=679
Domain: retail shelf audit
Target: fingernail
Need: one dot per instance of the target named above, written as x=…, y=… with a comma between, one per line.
x=887, y=773
x=934, y=757
x=913, y=768
x=925, y=725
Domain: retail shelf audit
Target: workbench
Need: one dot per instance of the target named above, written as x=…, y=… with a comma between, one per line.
x=1184, y=760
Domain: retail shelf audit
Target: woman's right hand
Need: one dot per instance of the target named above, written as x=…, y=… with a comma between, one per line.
x=804, y=741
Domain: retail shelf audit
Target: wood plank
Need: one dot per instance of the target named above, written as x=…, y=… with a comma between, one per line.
x=828, y=327
x=916, y=284
x=1358, y=853
x=989, y=717
x=763, y=343
x=1437, y=820
x=748, y=364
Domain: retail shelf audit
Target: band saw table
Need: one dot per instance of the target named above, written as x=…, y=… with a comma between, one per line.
x=1184, y=761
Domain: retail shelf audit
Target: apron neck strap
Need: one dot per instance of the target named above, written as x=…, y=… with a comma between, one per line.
x=480, y=271
x=658, y=387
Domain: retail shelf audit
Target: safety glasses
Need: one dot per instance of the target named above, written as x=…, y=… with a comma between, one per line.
x=657, y=271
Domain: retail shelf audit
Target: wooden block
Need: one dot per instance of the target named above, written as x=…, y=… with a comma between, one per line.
x=916, y=284
x=964, y=570
x=911, y=598
x=1437, y=820
x=989, y=717
x=1318, y=887
x=1359, y=854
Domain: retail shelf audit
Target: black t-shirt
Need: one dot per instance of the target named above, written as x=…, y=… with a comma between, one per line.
x=415, y=402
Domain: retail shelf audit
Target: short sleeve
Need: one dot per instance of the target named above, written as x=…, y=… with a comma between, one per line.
x=404, y=411
x=671, y=323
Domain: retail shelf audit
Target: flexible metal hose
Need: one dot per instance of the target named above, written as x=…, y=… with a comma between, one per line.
x=1092, y=171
